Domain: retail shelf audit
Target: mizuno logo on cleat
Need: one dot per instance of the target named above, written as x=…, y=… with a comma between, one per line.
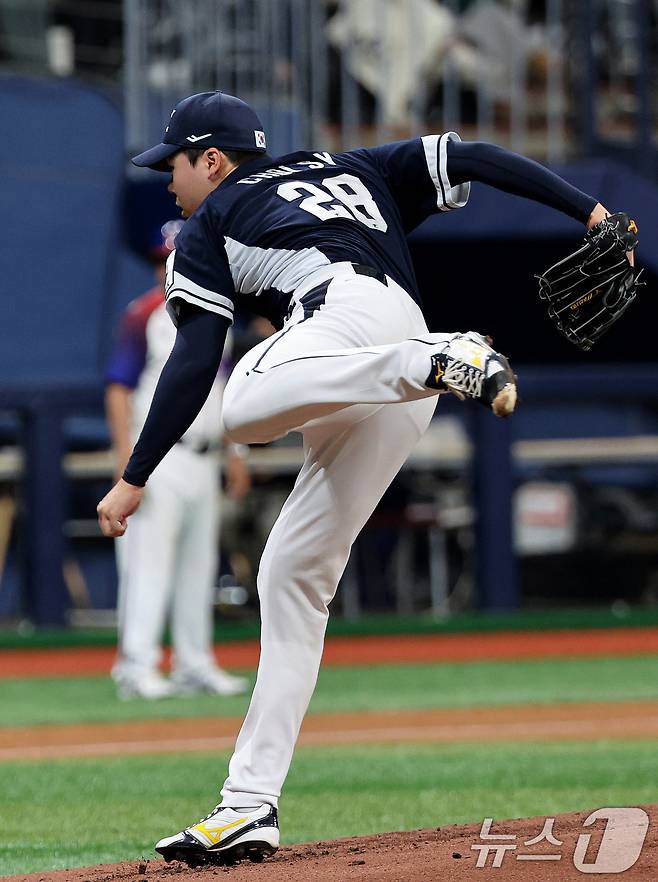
x=214, y=835
x=434, y=380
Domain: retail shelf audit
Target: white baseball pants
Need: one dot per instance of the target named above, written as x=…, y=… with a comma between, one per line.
x=351, y=379
x=167, y=563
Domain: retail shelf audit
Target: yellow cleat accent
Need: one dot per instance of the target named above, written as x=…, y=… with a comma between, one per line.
x=215, y=835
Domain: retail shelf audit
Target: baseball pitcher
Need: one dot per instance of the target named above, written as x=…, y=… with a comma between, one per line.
x=316, y=242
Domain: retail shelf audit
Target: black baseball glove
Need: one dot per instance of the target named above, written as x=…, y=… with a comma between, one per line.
x=590, y=289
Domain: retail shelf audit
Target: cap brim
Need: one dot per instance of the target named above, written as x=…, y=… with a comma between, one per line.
x=156, y=157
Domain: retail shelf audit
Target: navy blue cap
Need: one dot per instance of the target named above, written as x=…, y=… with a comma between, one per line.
x=208, y=119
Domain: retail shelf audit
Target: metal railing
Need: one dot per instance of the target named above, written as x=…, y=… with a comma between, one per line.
x=357, y=71
x=62, y=37
x=618, y=46
x=551, y=78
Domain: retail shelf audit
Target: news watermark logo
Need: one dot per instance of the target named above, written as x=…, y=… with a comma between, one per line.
x=619, y=849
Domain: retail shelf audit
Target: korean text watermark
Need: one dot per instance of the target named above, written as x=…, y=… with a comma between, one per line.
x=619, y=849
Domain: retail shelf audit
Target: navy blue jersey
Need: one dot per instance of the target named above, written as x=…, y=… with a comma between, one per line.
x=273, y=222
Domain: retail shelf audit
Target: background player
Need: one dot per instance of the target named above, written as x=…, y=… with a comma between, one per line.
x=168, y=562
x=316, y=242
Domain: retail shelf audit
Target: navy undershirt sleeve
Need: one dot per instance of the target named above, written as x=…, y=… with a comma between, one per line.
x=182, y=390
x=500, y=168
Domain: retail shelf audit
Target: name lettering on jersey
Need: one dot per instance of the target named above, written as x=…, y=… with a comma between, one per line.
x=283, y=171
x=326, y=158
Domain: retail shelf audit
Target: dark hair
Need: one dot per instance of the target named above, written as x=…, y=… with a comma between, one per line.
x=237, y=157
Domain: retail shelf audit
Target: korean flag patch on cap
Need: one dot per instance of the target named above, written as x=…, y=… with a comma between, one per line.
x=260, y=138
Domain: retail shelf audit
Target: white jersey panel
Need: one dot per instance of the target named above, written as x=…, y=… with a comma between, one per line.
x=255, y=269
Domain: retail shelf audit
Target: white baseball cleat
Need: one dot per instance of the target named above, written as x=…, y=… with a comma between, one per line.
x=469, y=368
x=225, y=836
x=214, y=681
x=148, y=684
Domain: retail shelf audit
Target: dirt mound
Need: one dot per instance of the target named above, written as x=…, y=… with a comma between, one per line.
x=445, y=853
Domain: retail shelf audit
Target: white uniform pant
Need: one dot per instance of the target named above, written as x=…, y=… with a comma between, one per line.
x=351, y=378
x=167, y=563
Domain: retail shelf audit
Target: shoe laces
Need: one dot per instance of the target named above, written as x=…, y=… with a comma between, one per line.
x=211, y=813
x=218, y=808
x=463, y=379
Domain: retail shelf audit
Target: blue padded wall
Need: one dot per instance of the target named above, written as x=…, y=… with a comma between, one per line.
x=61, y=171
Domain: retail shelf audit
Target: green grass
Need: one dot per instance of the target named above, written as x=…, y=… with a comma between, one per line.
x=89, y=811
x=82, y=699
x=25, y=635
x=93, y=699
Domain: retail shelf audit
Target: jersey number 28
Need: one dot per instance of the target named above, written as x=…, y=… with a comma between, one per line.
x=347, y=197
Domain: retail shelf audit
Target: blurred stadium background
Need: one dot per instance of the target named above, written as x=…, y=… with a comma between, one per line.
x=557, y=508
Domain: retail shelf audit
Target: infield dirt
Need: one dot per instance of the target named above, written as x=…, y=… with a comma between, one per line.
x=81, y=661
x=446, y=725
x=445, y=854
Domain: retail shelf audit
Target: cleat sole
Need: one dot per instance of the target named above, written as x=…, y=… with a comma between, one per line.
x=255, y=851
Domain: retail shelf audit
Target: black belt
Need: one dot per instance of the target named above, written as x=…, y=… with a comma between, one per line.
x=362, y=270
x=314, y=299
x=199, y=446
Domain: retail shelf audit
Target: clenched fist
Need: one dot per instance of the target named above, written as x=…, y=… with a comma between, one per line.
x=115, y=508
